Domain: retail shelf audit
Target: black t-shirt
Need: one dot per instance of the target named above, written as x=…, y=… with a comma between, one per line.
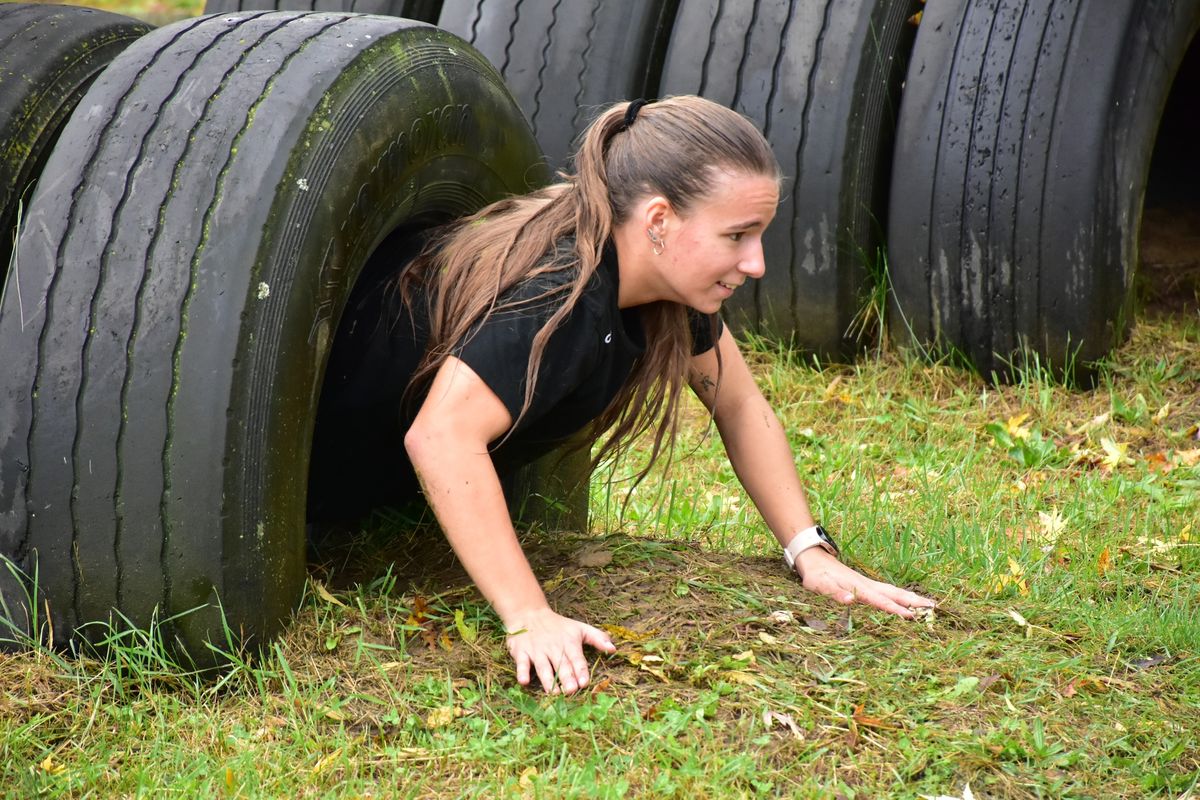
x=380, y=344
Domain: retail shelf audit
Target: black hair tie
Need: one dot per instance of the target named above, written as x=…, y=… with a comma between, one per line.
x=631, y=113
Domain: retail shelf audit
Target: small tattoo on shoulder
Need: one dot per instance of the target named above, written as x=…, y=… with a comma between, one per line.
x=707, y=383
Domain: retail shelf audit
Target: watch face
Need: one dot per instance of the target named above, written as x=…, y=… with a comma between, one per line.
x=827, y=539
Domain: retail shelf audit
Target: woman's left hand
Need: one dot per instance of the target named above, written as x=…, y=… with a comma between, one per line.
x=824, y=574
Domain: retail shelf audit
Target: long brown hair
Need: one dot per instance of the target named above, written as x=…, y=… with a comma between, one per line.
x=674, y=148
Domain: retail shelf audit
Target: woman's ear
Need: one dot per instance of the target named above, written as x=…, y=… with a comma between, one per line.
x=657, y=215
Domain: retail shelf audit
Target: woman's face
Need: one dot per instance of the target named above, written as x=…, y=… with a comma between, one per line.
x=713, y=249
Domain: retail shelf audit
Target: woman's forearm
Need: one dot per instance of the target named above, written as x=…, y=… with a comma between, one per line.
x=462, y=488
x=762, y=458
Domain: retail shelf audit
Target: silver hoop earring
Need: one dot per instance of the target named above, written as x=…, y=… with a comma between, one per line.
x=659, y=244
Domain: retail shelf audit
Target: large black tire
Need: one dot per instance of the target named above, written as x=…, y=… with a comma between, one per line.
x=187, y=256
x=421, y=10
x=822, y=80
x=1025, y=139
x=564, y=61
x=49, y=55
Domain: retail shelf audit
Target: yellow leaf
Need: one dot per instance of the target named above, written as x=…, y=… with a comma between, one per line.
x=229, y=778
x=1161, y=414
x=1114, y=452
x=1015, y=428
x=767, y=638
x=1017, y=618
x=326, y=760
x=467, y=632
x=627, y=634
x=747, y=656
x=527, y=776
x=49, y=767
x=555, y=582
x=442, y=716
x=737, y=676
x=1104, y=562
x=324, y=594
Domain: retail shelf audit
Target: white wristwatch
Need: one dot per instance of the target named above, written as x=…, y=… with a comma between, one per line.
x=816, y=536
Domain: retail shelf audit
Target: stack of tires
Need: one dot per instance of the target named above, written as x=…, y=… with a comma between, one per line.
x=225, y=182
x=1003, y=146
x=179, y=276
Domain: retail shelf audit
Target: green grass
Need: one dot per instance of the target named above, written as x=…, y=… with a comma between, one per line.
x=156, y=12
x=1057, y=528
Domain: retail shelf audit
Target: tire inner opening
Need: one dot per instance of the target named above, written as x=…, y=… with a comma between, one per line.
x=1170, y=232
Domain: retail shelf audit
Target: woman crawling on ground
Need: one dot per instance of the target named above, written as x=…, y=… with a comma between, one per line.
x=589, y=303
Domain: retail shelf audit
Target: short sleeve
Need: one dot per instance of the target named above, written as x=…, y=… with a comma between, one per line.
x=706, y=329
x=498, y=350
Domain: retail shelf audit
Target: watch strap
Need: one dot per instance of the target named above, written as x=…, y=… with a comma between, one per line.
x=814, y=536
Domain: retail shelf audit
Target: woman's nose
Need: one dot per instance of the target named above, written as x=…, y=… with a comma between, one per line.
x=754, y=264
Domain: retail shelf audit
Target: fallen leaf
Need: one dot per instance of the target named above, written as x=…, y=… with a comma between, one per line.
x=468, y=632
x=967, y=794
x=1053, y=524
x=555, y=582
x=1147, y=663
x=1017, y=618
x=1161, y=414
x=924, y=614
x=49, y=766
x=816, y=624
x=594, y=557
x=1114, y=453
x=1159, y=462
x=767, y=638
x=420, y=612
x=1188, y=458
x=737, y=676
x=1103, y=562
x=1015, y=427
x=870, y=722
x=783, y=617
x=1084, y=682
x=628, y=634
x=784, y=720
x=527, y=776
x=1094, y=422
x=602, y=686
x=986, y=683
x=1014, y=577
x=442, y=716
x=324, y=594
x=747, y=656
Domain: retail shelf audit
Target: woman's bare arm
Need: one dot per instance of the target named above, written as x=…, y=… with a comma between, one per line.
x=448, y=447
x=762, y=457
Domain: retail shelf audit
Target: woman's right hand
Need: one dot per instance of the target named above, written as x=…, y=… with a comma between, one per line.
x=550, y=645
